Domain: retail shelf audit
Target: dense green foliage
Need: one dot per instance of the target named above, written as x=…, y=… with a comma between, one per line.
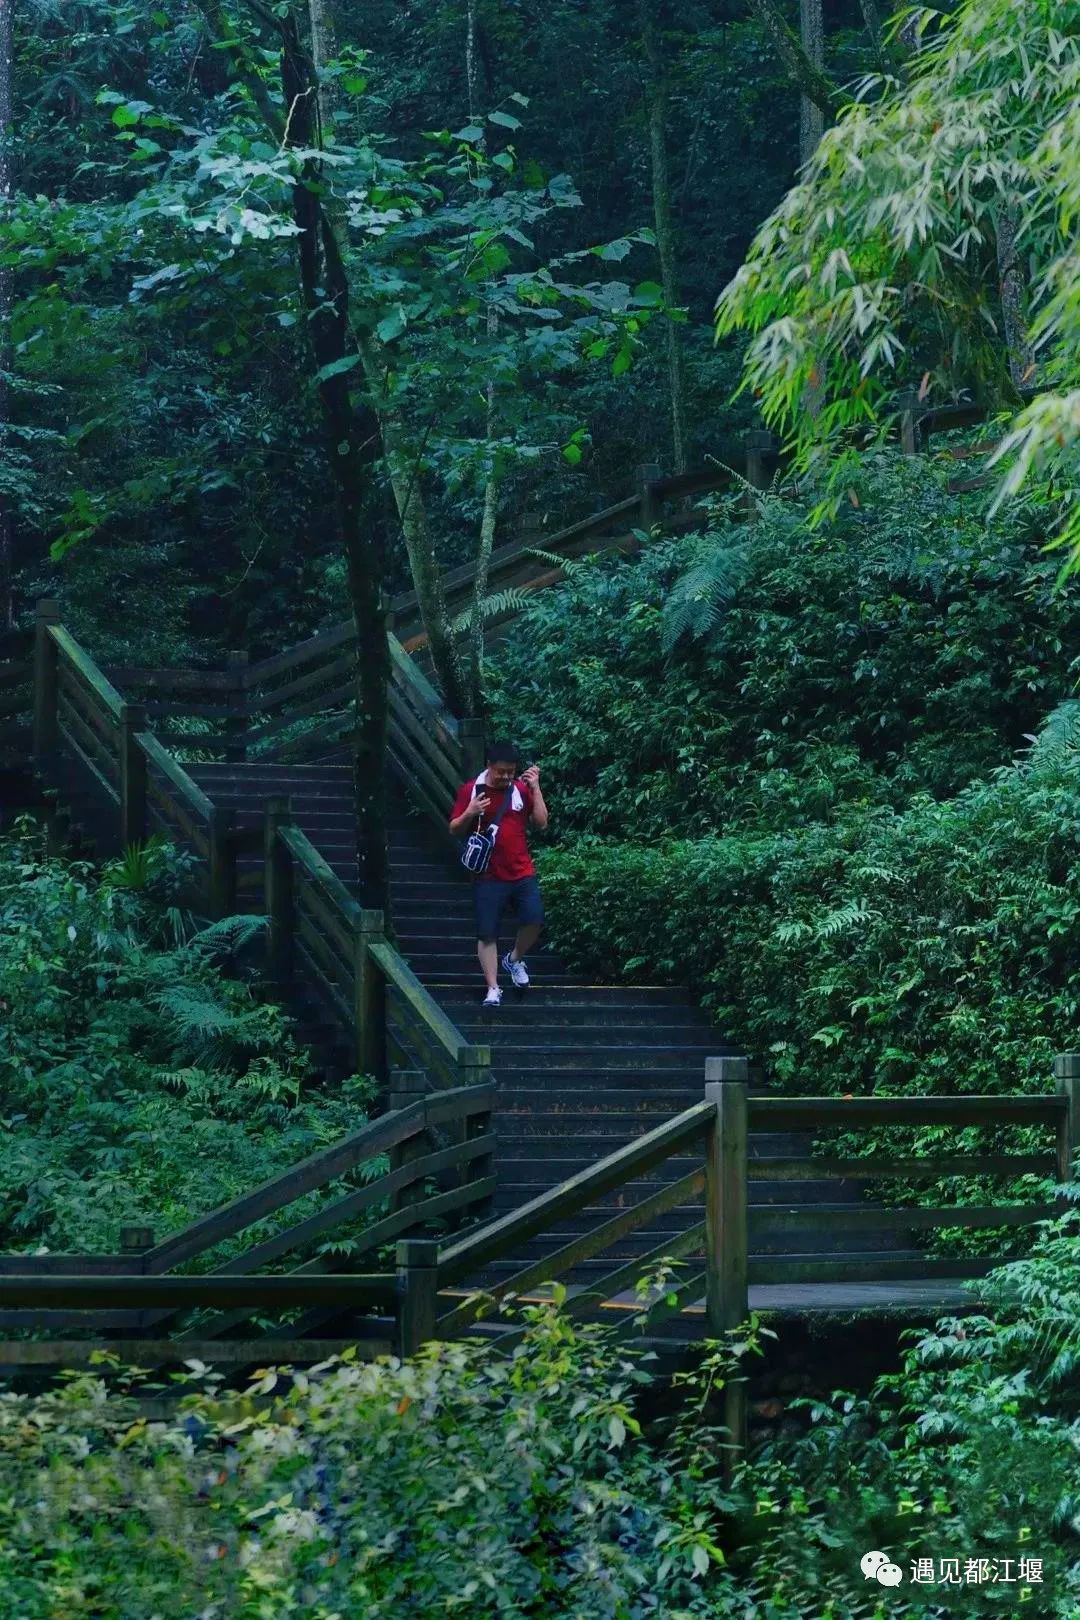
x=141, y=1083
x=931, y=244
x=823, y=810
x=463, y=1483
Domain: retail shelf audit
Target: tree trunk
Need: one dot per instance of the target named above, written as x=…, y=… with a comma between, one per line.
x=323, y=50
x=402, y=465
x=325, y=290
x=1012, y=285
x=809, y=77
x=811, y=113
x=6, y=356
x=656, y=97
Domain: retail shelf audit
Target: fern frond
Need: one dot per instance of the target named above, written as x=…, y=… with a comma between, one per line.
x=228, y=934
x=696, y=602
x=195, y=1014
x=1057, y=743
x=508, y=601
x=569, y=565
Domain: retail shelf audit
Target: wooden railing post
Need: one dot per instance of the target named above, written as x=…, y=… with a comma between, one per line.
x=236, y=698
x=726, y=1257
x=647, y=475
x=471, y=732
x=474, y=1069
x=278, y=891
x=222, y=859
x=46, y=723
x=1067, y=1079
x=418, y=1287
x=407, y=1086
x=760, y=449
x=911, y=438
x=132, y=775
x=369, y=1007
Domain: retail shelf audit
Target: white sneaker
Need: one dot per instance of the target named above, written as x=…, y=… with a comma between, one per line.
x=493, y=998
x=517, y=971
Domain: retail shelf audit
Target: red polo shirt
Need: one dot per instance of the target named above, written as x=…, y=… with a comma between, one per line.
x=510, y=859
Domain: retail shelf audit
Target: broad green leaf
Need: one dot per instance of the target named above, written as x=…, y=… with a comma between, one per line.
x=572, y=454
x=392, y=325
x=471, y=133
x=336, y=367
x=504, y=120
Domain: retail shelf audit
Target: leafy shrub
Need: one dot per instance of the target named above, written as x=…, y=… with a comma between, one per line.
x=909, y=646
x=535, y=1486
x=140, y=1082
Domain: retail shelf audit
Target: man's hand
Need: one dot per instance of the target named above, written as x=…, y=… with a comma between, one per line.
x=479, y=803
x=532, y=776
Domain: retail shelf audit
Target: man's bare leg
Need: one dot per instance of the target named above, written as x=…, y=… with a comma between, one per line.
x=527, y=936
x=488, y=952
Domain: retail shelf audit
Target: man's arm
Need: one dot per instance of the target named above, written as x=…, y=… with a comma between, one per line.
x=539, y=812
x=468, y=813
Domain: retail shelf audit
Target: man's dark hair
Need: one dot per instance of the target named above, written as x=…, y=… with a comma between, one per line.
x=502, y=749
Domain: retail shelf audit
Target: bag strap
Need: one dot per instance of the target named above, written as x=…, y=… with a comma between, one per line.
x=493, y=824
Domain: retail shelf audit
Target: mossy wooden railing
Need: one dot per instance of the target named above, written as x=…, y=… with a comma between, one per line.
x=725, y=1266
x=317, y=928
x=135, y=1300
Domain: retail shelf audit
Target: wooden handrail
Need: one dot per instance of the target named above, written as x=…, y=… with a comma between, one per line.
x=821, y=1113
x=425, y=1008
x=81, y=661
x=685, y=1130
x=158, y=756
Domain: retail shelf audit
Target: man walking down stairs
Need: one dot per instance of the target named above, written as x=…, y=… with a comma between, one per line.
x=494, y=810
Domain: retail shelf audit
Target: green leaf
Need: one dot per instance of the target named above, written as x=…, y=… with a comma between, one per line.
x=354, y=83
x=392, y=325
x=471, y=133
x=622, y=361
x=649, y=292
x=124, y=117
x=504, y=160
x=522, y=101
x=160, y=18
x=613, y=250
x=336, y=367
x=504, y=120
x=572, y=454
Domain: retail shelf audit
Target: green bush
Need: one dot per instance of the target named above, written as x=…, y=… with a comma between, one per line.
x=140, y=1082
x=908, y=646
x=536, y=1486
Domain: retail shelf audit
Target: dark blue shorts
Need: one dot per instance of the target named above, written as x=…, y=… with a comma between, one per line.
x=493, y=896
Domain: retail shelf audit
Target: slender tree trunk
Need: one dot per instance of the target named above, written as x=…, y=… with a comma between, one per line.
x=323, y=50
x=811, y=113
x=488, y=521
x=6, y=355
x=657, y=100
x=325, y=290
x=1012, y=284
x=807, y=74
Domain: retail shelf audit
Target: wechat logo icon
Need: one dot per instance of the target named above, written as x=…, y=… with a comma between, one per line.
x=877, y=1566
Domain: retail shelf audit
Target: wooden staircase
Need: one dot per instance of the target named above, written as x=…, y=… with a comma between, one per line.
x=580, y=1068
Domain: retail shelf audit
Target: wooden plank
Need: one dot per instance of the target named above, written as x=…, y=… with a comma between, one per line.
x=130, y=676
x=315, y=866
x=194, y=1293
x=179, y=780
x=91, y=743
x=280, y=1191
x=16, y=702
x=74, y=658
x=165, y=708
x=687, y=1293
x=564, y=1259
x=109, y=789
x=355, y=1203
x=321, y=950
x=923, y=1268
x=446, y=764
x=70, y=1265
x=869, y=1169
x=338, y=666
x=37, y=1321
x=313, y=650
x=626, y=1164
x=419, y=773
x=337, y=730
x=673, y=1247
x=421, y=1005
x=464, y=1101
x=805, y=1217
x=821, y=1113
x=334, y=699
x=269, y=1350
x=175, y=816
x=311, y=971
x=203, y=741
x=324, y=913
x=407, y=672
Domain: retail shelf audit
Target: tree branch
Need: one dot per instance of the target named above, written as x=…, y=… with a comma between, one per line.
x=811, y=81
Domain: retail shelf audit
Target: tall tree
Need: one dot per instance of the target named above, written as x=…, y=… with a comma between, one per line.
x=351, y=431
x=656, y=99
x=7, y=133
x=811, y=113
